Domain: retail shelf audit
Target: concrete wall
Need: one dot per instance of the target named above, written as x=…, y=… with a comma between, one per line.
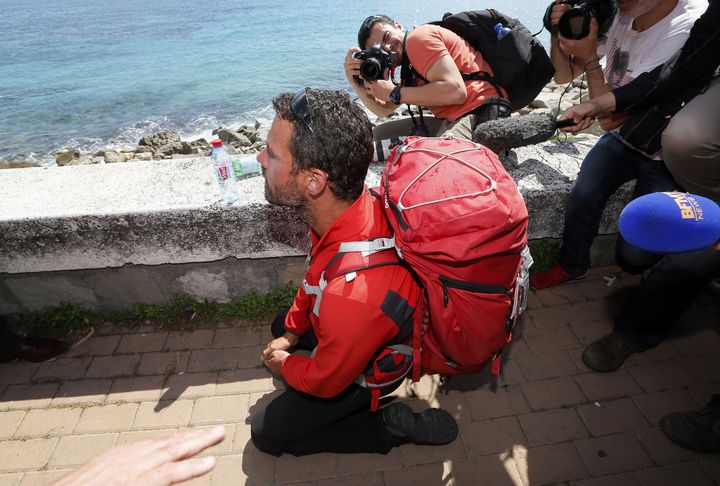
x=106, y=236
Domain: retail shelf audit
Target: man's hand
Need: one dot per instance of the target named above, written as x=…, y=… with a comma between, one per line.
x=283, y=343
x=275, y=360
x=155, y=462
x=583, y=115
x=352, y=67
x=379, y=89
x=557, y=11
x=584, y=49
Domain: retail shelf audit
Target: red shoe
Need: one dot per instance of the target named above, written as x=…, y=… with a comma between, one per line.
x=553, y=277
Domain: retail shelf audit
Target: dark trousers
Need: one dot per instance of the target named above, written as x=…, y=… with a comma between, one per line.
x=667, y=291
x=9, y=341
x=608, y=165
x=299, y=423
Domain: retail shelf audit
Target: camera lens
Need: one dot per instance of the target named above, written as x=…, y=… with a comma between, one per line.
x=371, y=69
x=575, y=23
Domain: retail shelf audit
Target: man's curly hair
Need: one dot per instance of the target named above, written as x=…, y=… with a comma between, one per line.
x=337, y=139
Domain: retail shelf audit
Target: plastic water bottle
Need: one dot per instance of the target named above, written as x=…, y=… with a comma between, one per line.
x=501, y=31
x=222, y=165
x=246, y=166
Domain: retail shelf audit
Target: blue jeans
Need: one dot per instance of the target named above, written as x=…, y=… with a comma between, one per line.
x=608, y=165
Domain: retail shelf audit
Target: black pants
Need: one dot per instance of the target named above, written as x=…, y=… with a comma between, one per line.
x=667, y=291
x=9, y=341
x=299, y=423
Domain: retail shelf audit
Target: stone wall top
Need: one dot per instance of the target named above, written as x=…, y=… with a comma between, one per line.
x=158, y=212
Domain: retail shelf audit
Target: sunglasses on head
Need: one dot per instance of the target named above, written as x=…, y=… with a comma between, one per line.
x=300, y=106
x=369, y=21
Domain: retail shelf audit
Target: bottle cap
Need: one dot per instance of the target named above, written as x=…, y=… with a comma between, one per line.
x=216, y=142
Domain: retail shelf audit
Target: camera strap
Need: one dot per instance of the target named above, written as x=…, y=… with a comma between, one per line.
x=408, y=77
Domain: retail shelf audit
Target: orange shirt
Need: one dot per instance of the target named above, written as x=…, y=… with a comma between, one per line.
x=428, y=43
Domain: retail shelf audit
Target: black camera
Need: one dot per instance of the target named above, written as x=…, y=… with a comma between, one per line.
x=374, y=62
x=575, y=23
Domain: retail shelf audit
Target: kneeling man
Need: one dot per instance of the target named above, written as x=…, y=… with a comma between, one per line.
x=318, y=152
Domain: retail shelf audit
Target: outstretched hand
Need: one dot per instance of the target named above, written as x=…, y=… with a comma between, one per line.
x=583, y=115
x=155, y=462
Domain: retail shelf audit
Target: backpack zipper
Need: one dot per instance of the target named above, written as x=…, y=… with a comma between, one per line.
x=479, y=288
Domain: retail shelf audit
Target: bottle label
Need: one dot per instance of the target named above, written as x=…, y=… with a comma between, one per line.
x=223, y=171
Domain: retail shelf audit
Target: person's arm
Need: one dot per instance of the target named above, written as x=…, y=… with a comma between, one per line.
x=585, y=114
x=445, y=87
x=585, y=52
x=352, y=69
x=352, y=332
x=155, y=462
x=566, y=67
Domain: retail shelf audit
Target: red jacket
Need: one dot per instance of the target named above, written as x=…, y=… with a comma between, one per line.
x=352, y=326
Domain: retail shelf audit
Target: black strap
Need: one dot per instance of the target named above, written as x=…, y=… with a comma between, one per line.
x=483, y=76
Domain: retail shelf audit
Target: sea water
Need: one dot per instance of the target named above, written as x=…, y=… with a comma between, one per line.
x=92, y=74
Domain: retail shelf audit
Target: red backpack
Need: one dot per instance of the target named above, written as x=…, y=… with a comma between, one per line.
x=460, y=223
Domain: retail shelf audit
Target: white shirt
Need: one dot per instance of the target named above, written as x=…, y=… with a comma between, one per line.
x=629, y=53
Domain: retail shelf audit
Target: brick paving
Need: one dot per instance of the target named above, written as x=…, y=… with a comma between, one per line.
x=547, y=420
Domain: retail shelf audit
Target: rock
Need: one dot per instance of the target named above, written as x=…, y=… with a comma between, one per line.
x=200, y=146
x=15, y=164
x=66, y=157
x=143, y=156
x=230, y=137
x=113, y=157
x=200, y=143
x=160, y=139
x=541, y=102
x=98, y=160
x=81, y=160
x=143, y=149
x=174, y=148
x=246, y=130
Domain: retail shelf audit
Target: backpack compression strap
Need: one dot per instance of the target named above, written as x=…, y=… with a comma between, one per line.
x=351, y=258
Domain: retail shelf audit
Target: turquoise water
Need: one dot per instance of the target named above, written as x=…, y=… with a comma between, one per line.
x=96, y=73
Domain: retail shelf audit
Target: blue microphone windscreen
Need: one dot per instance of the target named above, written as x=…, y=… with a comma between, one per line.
x=671, y=222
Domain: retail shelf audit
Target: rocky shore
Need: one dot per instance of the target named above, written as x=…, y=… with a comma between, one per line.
x=250, y=139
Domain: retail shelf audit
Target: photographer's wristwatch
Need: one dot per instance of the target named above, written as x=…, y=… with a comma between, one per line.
x=395, y=95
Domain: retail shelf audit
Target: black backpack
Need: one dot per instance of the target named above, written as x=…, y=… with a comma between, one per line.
x=520, y=63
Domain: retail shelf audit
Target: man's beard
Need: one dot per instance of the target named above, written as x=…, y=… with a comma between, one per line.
x=289, y=197
x=285, y=195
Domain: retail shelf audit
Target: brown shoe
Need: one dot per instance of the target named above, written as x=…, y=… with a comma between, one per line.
x=610, y=352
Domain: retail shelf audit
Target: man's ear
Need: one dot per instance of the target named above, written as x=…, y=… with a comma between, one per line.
x=316, y=181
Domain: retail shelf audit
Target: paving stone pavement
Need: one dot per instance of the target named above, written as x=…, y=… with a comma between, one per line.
x=546, y=420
